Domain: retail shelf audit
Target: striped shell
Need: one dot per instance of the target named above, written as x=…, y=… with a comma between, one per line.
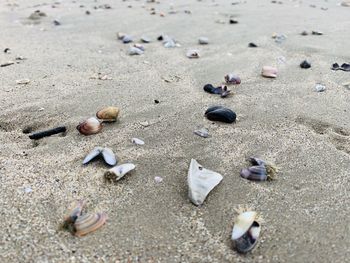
x=90, y=126
x=88, y=223
x=109, y=114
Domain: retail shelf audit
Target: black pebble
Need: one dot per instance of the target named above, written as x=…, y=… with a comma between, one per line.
x=87, y=12
x=219, y=113
x=252, y=45
x=160, y=38
x=6, y=50
x=232, y=21
x=211, y=89
x=305, y=64
x=156, y=101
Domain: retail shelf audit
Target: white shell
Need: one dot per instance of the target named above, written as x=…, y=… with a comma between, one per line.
x=200, y=182
x=121, y=170
x=243, y=223
x=109, y=156
x=94, y=153
x=137, y=141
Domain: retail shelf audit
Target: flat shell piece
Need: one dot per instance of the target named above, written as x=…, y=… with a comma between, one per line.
x=118, y=172
x=243, y=222
x=200, y=182
x=93, y=154
x=137, y=141
x=202, y=132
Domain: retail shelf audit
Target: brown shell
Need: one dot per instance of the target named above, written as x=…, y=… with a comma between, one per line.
x=88, y=223
x=108, y=114
x=90, y=126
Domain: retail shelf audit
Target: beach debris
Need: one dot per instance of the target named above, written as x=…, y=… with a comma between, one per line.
x=222, y=90
x=108, y=114
x=145, y=39
x=156, y=101
x=251, y=44
x=346, y=85
x=118, y=172
x=305, y=64
x=20, y=58
x=220, y=21
x=232, y=78
x=7, y=50
x=317, y=33
x=158, y=179
x=46, y=133
x=135, y=51
x=344, y=66
x=220, y=113
x=127, y=39
x=80, y=225
x=203, y=132
x=233, y=21
x=8, y=63
x=22, y=81
x=87, y=12
x=137, y=141
x=200, y=182
x=320, y=87
x=304, y=33
x=192, y=53
x=90, y=126
x=56, y=22
x=121, y=35
x=36, y=15
x=106, y=153
x=246, y=231
x=269, y=72
x=279, y=38
x=203, y=40
x=260, y=171
x=168, y=42
x=144, y=123
x=345, y=3
x=28, y=190
x=100, y=76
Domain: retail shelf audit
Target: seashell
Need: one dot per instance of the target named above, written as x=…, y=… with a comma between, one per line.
x=139, y=46
x=232, y=79
x=320, y=88
x=260, y=171
x=219, y=113
x=121, y=35
x=251, y=44
x=135, y=51
x=242, y=224
x=108, y=114
x=145, y=39
x=203, y=40
x=117, y=172
x=256, y=161
x=269, y=72
x=74, y=212
x=305, y=64
x=345, y=3
x=345, y=67
x=169, y=42
x=127, y=39
x=137, y=141
x=192, y=53
x=88, y=223
x=248, y=241
x=200, y=182
x=317, y=33
x=22, y=81
x=202, y=132
x=223, y=91
x=304, y=33
x=106, y=153
x=90, y=126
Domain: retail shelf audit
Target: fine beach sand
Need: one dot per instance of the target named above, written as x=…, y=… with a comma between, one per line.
x=283, y=120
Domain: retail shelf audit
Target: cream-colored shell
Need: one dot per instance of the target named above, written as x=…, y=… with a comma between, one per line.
x=243, y=222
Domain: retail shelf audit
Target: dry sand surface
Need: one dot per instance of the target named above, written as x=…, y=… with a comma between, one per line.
x=283, y=120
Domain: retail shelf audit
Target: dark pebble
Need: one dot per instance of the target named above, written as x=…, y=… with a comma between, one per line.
x=160, y=38
x=252, y=45
x=87, y=12
x=305, y=64
x=219, y=113
x=56, y=23
x=233, y=21
x=156, y=101
x=6, y=50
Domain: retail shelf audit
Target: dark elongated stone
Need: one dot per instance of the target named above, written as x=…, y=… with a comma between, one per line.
x=219, y=113
x=42, y=134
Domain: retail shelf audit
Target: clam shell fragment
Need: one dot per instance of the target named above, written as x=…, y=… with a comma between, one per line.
x=90, y=126
x=88, y=223
x=106, y=153
x=118, y=172
x=137, y=141
x=232, y=78
x=260, y=171
x=108, y=114
x=269, y=72
x=200, y=182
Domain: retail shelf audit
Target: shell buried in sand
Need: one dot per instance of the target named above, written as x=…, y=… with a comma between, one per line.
x=118, y=172
x=200, y=182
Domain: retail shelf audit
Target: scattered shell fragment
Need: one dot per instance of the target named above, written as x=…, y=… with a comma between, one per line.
x=145, y=39
x=202, y=132
x=246, y=231
x=100, y=76
x=232, y=78
x=137, y=141
x=200, y=182
x=345, y=3
x=251, y=44
x=317, y=33
x=36, y=15
x=222, y=90
x=260, y=171
x=305, y=64
x=168, y=42
x=135, y=51
x=139, y=46
x=74, y=212
x=127, y=39
x=320, y=88
x=106, y=153
x=88, y=223
x=89, y=126
x=347, y=85
x=304, y=33
x=269, y=72
x=192, y=53
x=108, y=114
x=203, y=40
x=279, y=38
x=144, y=123
x=220, y=113
x=117, y=172
x=8, y=63
x=158, y=179
x=22, y=81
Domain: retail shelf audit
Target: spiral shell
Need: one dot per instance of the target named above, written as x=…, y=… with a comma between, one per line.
x=109, y=114
x=269, y=72
x=90, y=126
x=88, y=223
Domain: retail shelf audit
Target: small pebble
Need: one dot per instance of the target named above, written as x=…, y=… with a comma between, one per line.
x=7, y=50
x=304, y=33
x=158, y=179
x=156, y=101
x=135, y=51
x=192, y=53
x=317, y=33
x=202, y=132
x=251, y=44
x=305, y=64
x=203, y=40
x=56, y=23
x=87, y=12
x=320, y=87
x=233, y=21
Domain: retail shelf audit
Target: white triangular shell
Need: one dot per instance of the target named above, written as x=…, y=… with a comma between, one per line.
x=243, y=222
x=94, y=153
x=200, y=182
x=119, y=171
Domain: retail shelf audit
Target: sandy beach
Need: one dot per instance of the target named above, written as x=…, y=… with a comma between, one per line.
x=306, y=211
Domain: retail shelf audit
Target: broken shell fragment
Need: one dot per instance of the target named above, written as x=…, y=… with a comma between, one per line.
x=260, y=171
x=317, y=33
x=22, y=81
x=251, y=44
x=219, y=113
x=202, y=132
x=117, y=172
x=106, y=153
x=135, y=51
x=127, y=39
x=203, y=40
x=88, y=223
x=90, y=126
x=137, y=141
x=246, y=231
x=139, y=46
x=200, y=182
x=269, y=72
x=232, y=78
x=192, y=53
x=108, y=114
x=145, y=39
